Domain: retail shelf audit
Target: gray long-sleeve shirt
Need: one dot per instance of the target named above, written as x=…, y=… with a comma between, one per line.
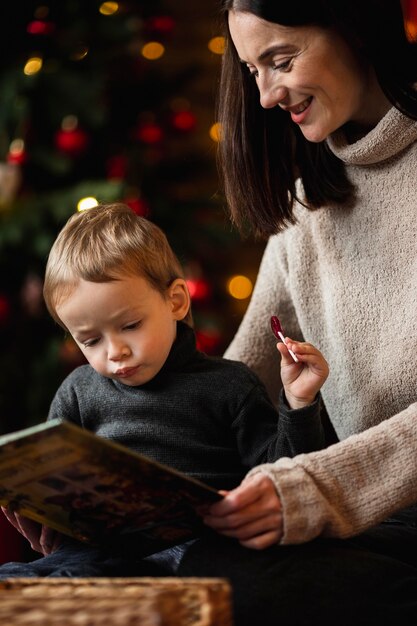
x=208, y=417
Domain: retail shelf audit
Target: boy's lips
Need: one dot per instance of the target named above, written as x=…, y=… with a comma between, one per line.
x=125, y=372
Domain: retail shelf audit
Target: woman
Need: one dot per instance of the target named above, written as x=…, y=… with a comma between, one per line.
x=315, y=155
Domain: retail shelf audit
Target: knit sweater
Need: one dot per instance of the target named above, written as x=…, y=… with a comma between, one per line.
x=205, y=416
x=345, y=279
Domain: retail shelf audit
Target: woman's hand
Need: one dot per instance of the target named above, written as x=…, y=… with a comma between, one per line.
x=251, y=513
x=303, y=380
x=41, y=538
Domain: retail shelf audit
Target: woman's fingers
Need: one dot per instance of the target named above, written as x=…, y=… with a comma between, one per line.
x=244, y=529
x=251, y=513
x=266, y=540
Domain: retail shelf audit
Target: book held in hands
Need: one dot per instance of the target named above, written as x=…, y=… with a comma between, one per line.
x=95, y=490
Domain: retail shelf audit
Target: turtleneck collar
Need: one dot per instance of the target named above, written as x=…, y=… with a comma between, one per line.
x=184, y=348
x=391, y=135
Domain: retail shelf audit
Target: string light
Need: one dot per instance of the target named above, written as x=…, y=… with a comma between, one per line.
x=153, y=50
x=86, y=203
x=79, y=53
x=240, y=287
x=17, y=146
x=215, y=131
x=33, y=66
x=217, y=45
x=109, y=8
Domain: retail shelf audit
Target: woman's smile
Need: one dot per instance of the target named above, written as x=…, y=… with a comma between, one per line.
x=309, y=71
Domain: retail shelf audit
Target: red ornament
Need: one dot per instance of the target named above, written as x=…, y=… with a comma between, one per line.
x=39, y=27
x=208, y=340
x=18, y=157
x=117, y=167
x=184, y=120
x=138, y=206
x=164, y=24
x=199, y=289
x=5, y=309
x=149, y=132
x=72, y=142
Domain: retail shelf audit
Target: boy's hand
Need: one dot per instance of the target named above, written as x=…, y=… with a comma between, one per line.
x=250, y=513
x=41, y=538
x=303, y=380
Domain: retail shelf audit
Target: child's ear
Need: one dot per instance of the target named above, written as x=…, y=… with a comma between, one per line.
x=180, y=298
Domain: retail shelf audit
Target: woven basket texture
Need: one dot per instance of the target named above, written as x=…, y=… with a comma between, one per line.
x=115, y=602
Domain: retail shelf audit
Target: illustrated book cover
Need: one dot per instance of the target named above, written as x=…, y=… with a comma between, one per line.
x=93, y=489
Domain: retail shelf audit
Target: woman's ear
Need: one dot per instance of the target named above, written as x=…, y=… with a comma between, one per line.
x=179, y=297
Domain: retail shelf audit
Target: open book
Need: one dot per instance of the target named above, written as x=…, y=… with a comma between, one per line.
x=95, y=490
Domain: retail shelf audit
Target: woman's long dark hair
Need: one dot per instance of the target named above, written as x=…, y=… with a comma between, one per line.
x=261, y=152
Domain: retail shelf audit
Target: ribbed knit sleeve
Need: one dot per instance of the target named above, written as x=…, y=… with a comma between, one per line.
x=350, y=486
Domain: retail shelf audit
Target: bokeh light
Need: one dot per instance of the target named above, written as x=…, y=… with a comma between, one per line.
x=216, y=45
x=153, y=50
x=87, y=203
x=240, y=287
x=33, y=66
x=109, y=8
x=215, y=131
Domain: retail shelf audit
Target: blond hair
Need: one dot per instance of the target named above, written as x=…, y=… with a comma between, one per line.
x=101, y=245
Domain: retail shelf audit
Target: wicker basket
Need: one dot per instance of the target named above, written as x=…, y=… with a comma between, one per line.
x=115, y=602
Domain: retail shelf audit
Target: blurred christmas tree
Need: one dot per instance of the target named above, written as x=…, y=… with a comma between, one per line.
x=101, y=101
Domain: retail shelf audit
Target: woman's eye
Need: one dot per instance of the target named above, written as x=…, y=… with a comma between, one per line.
x=283, y=66
x=252, y=71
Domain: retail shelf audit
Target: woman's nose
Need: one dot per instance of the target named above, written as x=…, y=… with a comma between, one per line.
x=271, y=94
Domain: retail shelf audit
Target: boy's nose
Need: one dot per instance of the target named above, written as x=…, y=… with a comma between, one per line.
x=118, y=351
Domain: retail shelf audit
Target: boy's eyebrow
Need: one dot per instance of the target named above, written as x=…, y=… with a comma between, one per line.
x=277, y=49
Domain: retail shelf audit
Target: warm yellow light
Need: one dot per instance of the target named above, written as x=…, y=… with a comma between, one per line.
x=240, y=287
x=17, y=146
x=411, y=30
x=33, y=66
x=215, y=131
x=216, y=45
x=153, y=50
x=109, y=8
x=86, y=203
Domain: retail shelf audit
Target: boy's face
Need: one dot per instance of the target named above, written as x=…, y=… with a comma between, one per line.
x=125, y=328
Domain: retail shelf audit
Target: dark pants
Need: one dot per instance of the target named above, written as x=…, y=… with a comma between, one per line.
x=355, y=582
x=370, y=579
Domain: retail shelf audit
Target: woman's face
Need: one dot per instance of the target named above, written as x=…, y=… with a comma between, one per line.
x=308, y=71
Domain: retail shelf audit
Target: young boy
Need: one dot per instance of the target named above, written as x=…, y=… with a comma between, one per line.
x=113, y=282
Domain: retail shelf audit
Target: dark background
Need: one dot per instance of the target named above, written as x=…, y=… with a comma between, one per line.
x=99, y=119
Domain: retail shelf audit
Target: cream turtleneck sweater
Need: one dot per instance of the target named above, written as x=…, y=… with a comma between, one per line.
x=346, y=281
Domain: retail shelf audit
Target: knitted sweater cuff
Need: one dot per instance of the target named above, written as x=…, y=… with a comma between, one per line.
x=307, y=522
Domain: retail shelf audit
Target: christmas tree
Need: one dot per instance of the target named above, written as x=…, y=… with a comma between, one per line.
x=99, y=102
